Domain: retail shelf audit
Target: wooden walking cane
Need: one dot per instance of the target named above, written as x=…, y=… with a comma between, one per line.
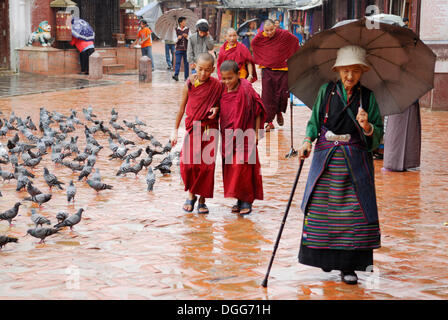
x=265, y=281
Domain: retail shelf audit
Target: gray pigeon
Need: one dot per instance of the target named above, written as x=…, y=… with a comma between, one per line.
x=85, y=172
x=32, y=190
x=6, y=175
x=52, y=180
x=150, y=179
x=42, y=233
x=71, y=192
x=5, y=239
x=98, y=185
x=96, y=176
x=71, y=221
x=124, y=168
x=38, y=219
x=40, y=198
x=61, y=216
x=11, y=213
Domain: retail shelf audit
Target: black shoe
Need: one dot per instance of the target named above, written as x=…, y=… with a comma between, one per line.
x=169, y=68
x=326, y=270
x=349, y=277
x=176, y=78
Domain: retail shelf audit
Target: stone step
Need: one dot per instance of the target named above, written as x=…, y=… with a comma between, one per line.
x=109, y=60
x=113, y=68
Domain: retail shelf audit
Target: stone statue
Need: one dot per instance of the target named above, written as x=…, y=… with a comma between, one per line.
x=43, y=35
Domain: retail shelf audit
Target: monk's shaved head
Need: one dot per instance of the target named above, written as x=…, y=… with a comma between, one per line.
x=230, y=31
x=207, y=57
x=229, y=65
x=269, y=22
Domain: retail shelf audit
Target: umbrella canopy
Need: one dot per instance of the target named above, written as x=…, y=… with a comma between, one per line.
x=167, y=23
x=81, y=29
x=150, y=13
x=245, y=26
x=402, y=65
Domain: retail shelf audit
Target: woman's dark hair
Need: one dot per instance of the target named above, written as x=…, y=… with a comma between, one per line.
x=181, y=19
x=229, y=65
x=144, y=22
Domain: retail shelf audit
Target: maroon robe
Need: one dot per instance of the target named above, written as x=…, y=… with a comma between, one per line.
x=241, y=165
x=198, y=154
x=240, y=54
x=273, y=53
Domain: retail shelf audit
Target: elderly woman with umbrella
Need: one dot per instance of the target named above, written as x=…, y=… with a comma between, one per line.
x=341, y=226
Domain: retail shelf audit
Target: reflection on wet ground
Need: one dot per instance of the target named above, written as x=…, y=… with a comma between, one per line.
x=23, y=83
x=132, y=244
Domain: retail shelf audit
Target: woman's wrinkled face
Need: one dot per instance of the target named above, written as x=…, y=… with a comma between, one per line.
x=230, y=79
x=204, y=70
x=350, y=75
x=269, y=29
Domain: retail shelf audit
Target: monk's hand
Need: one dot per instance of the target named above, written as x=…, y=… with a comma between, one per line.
x=173, y=138
x=214, y=112
x=250, y=78
x=193, y=77
x=305, y=150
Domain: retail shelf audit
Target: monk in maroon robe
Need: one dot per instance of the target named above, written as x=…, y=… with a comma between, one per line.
x=242, y=114
x=233, y=50
x=272, y=48
x=200, y=101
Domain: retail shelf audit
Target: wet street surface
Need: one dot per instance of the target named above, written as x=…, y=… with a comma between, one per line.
x=133, y=244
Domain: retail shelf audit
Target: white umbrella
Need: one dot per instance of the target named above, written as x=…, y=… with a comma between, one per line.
x=167, y=23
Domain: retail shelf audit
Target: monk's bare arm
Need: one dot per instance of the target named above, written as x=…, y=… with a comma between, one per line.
x=250, y=70
x=180, y=115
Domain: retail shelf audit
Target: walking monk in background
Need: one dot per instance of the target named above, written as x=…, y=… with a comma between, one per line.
x=242, y=114
x=272, y=48
x=233, y=50
x=200, y=101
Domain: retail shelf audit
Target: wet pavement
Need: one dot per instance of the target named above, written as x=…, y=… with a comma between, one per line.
x=132, y=244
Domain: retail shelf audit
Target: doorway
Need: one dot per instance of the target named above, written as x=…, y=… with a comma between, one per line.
x=4, y=35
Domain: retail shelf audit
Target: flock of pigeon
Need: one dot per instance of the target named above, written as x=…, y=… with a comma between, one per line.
x=24, y=155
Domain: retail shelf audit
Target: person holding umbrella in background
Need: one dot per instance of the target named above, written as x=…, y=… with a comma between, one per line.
x=181, y=48
x=82, y=38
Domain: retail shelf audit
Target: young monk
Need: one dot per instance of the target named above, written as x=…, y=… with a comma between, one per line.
x=200, y=101
x=233, y=50
x=242, y=114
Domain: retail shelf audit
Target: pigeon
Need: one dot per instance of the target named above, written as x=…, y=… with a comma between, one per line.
x=32, y=190
x=154, y=142
x=32, y=162
x=85, y=171
x=42, y=233
x=139, y=122
x=142, y=134
x=52, y=180
x=165, y=165
x=75, y=166
x=11, y=213
x=71, y=192
x=124, y=141
x=81, y=157
x=115, y=125
x=135, y=154
x=71, y=220
x=22, y=182
x=124, y=168
x=61, y=216
x=38, y=219
x=98, y=185
x=40, y=198
x=137, y=168
x=167, y=147
x=6, y=175
x=120, y=153
x=130, y=125
x=96, y=176
x=147, y=161
x=5, y=239
x=152, y=152
x=150, y=179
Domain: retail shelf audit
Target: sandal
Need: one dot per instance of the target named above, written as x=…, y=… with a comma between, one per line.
x=280, y=119
x=191, y=203
x=202, y=206
x=245, y=205
x=236, y=207
x=269, y=126
x=349, y=277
